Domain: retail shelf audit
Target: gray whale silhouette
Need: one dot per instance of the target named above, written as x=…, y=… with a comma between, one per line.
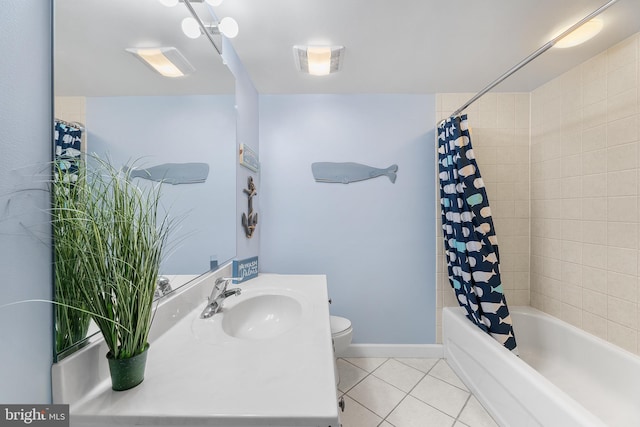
x=172, y=173
x=349, y=172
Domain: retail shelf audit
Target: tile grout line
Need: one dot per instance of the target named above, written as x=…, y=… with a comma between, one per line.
x=371, y=374
x=345, y=394
x=363, y=378
x=430, y=369
x=405, y=396
x=420, y=400
x=405, y=393
x=463, y=408
x=425, y=374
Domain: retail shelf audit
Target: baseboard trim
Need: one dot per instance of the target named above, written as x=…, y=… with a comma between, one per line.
x=431, y=351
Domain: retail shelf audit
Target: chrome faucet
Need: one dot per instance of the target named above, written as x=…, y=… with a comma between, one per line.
x=163, y=287
x=218, y=295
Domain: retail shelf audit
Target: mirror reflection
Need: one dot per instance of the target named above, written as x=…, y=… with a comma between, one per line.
x=117, y=107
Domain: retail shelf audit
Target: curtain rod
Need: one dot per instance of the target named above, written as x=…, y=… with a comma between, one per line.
x=75, y=125
x=533, y=56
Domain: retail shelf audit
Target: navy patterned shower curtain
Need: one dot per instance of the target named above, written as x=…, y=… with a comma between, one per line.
x=469, y=237
x=67, y=141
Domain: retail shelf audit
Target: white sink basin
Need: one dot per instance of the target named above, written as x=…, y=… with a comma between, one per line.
x=255, y=358
x=262, y=317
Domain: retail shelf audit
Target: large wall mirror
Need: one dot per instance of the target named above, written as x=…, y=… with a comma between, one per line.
x=127, y=112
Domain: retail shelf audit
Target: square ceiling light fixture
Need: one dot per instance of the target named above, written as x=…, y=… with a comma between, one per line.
x=167, y=61
x=318, y=60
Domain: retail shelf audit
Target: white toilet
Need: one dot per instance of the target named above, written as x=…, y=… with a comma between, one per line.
x=341, y=333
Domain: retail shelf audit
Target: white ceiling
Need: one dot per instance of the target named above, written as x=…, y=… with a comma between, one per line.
x=401, y=46
x=90, y=38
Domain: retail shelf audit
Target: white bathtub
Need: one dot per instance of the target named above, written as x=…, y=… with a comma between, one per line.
x=564, y=376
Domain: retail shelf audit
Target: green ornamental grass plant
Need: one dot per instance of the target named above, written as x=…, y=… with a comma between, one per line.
x=71, y=324
x=113, y=234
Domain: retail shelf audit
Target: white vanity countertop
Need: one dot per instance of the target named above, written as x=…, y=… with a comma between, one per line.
x=197, y=375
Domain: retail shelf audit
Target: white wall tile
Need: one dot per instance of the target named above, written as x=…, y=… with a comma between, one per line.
x=594, y=68
x=594, y=208
x=572, y=230
x=594, y=302
x=622, y=105
x=622, y=235
x=622, y=336
x=595, y=91
x=594, y=162
x=622, y=286
x=572, y=252
x=622, y=209
x=594, y=185
x=594, y=138
x=623, y=183
x=594, y=115
x=622, y=79
x=622, y=131
x=625, y=52
x=594, y=232
x=594, y=278
x=623, y=261
x=572, y=315
x=582, y=214
x=594, y=324
x=622, y=157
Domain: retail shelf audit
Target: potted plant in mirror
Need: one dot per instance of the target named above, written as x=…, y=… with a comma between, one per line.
x=118, y=234
x=71, y=318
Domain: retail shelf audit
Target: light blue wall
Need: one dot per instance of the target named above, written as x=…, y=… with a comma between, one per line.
x=247, y=101
x=26, y=331
x=374, y=240
x=178, y=129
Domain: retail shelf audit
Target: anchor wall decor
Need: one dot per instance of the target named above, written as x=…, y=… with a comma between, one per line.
x=250, y=219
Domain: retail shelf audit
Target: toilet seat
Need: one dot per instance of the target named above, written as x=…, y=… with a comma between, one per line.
x=341, y=333
x=340, y=325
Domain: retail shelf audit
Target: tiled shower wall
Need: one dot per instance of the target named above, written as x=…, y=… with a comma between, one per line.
x=584, y=196
x=72, y=109
x=500, y=137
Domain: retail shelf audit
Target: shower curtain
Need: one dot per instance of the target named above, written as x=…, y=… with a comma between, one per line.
x=67, y=143
x=469, y=237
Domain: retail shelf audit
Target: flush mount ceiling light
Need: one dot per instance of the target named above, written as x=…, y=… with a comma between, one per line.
x=318, y=60
x=581, y=34
x=167, y=61
x=227, y=27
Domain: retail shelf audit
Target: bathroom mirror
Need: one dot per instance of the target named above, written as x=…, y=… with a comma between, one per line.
x=130, y=113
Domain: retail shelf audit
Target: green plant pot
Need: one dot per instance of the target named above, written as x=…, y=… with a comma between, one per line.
x=127, y=373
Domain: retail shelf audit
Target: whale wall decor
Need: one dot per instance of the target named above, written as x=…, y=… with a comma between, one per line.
x=172, y=173
x=345, y=173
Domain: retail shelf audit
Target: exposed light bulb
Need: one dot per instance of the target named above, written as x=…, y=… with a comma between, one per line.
x=214, y=2
x=168, y=3
x=190, y=28
x=229, y=27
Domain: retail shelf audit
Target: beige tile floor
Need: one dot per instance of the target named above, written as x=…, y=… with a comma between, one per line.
x=403, y=392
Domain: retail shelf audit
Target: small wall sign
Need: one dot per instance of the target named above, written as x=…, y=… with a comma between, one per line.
x=249, y=158
x=245, y=269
